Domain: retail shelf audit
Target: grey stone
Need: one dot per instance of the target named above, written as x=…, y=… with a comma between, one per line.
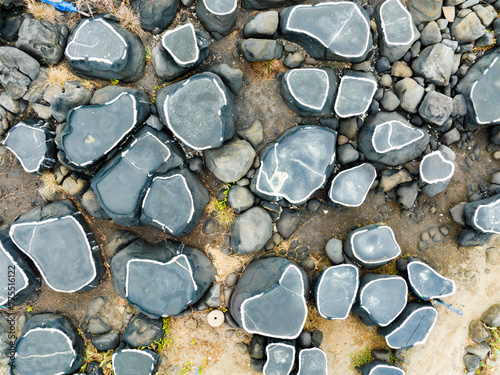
x=481, y=350
x=425, y=10
x=472, y=362
x=231, y=161
x=487, y=14
x=108, y=341
x=430, y=34
x=294, y=60
x=488, y=39
x=491, y=317
x=254, y=134
x=477, y=331
x=436, y=108
x=62, y=103
x=90, y=204
x=427, y=283
x=355, y=93
x=410, y=93
x=280, y=358
x=212, y=297
x=457, y=213
x=17, y=71
x=126, y=361
x=449, y=13
x=333, y=250
x=350, y=187
x=263, y=25
x=347, y=154
x=407, y=195
x=380, y=366
x=11, y=105
x=217, y=15
x=155, y=15
x=254, y=50
x=390, y=101
x=251, y=230
x=240, y=198
x=467, y=29
x=482, y=214
x=288, y=222
x=459, y=106
x=435, y=64
x=98, y=327
x=313, y=361
x=232, y=78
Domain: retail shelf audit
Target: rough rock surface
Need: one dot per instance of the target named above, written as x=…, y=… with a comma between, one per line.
x=155, y=15
x=436, y=108
x=424, y=11
x=254, y=50
x=74, y=95
x=251, y=230
x=435, y=64
x=17, y=71
x=263, y=25
x=230, y=162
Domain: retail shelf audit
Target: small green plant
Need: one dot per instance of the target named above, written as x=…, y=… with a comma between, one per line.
x=203, y=365
x=30, y=308
x=115, y=81
x=153, y=99
x=494, y=343
x=361, y=357
x=186, y=368
x=222, y=212
x=157, y=87
x=147, y=53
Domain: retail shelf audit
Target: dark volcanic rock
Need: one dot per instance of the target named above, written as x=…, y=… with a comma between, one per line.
x=143, y=331
x=372, y=246
x=381, y=298
x=53, y=338
x=175, y=202
x=232, y=78
x=263, y=25
x=33, y=144
x=155, y=15
x=103, y=49
x=57, y=239
x=251, y=230
x=388, y=138
x=217, y=15
x=381, y=368
x=269, y=298
x=335, y=291
x=262, y=4
x=120, y=185
x=351, y=186
x=436, y=170
x=254, y=50
x=288, y=222
x=484, y=215
x=436, y=108
x=161, y=279
x=74, y=95
x=435, y=64
x=329, y=31
x=200, y=111
x=355, y=94
x=91, y=132
x=134, y=362
x=426, y=283
x=467, y=29
x=230, y=162
x=412, y=327
x=280, y=358
x=17, y=71
x=297, y=165
x=423, y=11
x=313, y=362
x=310, y=91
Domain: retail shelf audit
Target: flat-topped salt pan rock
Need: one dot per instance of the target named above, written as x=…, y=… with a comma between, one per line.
x=251, y=230
x=200, y=111
x=32, y=142
x=93, y=131
x=270, y=298
x=481, y=89
x=412, y=327
x=389, y=138
x=135, y=362
x=329, y=31
x=436, y=170
x=297, y=165
x=350, y=187
x=355, y=94
x=57, y=239
x=426, y=282
x=381, y=368
x=175, y=202
x=372, y=246
x=120, y=185
x=155, y=15
x=381, y=298
x=280, y=358
x=217, y=15
x=484, y=215
x=49, y=344
x=313, y=361
x=161, y=279
x=17, y=272
x=310, y=91
x=100, y=48
x=335, y=291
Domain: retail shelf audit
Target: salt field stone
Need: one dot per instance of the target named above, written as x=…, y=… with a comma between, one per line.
x=217, y=15
x=355, y=93
x=121, y=184
x=161, y=279
x=269, y=298
x=381, y=298
x=351, y=186
x=280, y=358
x=313, y=361
x=155, y=15
x=297, y=165
x=18, y=272
x=200, y=111
x=134, y=362
x=484, y=215
x=481, y=89
x=174, y=202
x=412, y=327
x=335, y=291
x=57, y=239
x=32, y=142
x=426, y=283
x=436, y=170
x=93, y=131
x=310, y=91
x=329, y=31
x=48, y=344
x=100, y=48
x=372, y=246
x=389, y=138
x=381, y=368
x=251, y=230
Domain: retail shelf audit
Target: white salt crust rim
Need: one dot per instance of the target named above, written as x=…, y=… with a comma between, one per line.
x=356, y=255
x=410, y=20
x=299, y=71
x=280, y=194
x=444, y=160
x=367, y=190
x=134, y=351
x=304, y=351
x=98, y=59
x=424, y=339
x=472, y=97
x=169, y=124
x=235, y=5
x=291, y=268
x=409, y=268
x=385, y=279
x=321, y=283
x=84, y=235
x=17, y=268
x=53, y=330
x=476, y=213
x=15, y=153
x=268, y=356
x=338, y=33
x=342, y=81
x=375, y=368
x=191, y=212
x=124, y=153
x=174, y=56
x=392, y=148
x=173, y=260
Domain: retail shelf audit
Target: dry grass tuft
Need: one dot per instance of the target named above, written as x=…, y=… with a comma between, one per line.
x=221, y=212
x=226, y=264
x=266, y=70
x=43, y=12
x=49, y=182
x=58, y=74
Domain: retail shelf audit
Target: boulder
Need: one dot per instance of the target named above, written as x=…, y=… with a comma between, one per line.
x=355, y=94
x=231, y=161
x=313, y=361
x=133, y=361
x=423, y=11
x=435, y=64
x=484, y=214
x=381, y=368
x=74, y=95
x=430, y=34
x=254, y=50
x=217, y=15
x=426, y=283
x=351, y=186
x=263, y=25
x=251, y=230
x=436, y=170
x=240, y=198
x=436, y=108
x=467, y=29
x=155, y=15
x=329, y=31
x=280, y=358
x=17, y=71
x=409, y=93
